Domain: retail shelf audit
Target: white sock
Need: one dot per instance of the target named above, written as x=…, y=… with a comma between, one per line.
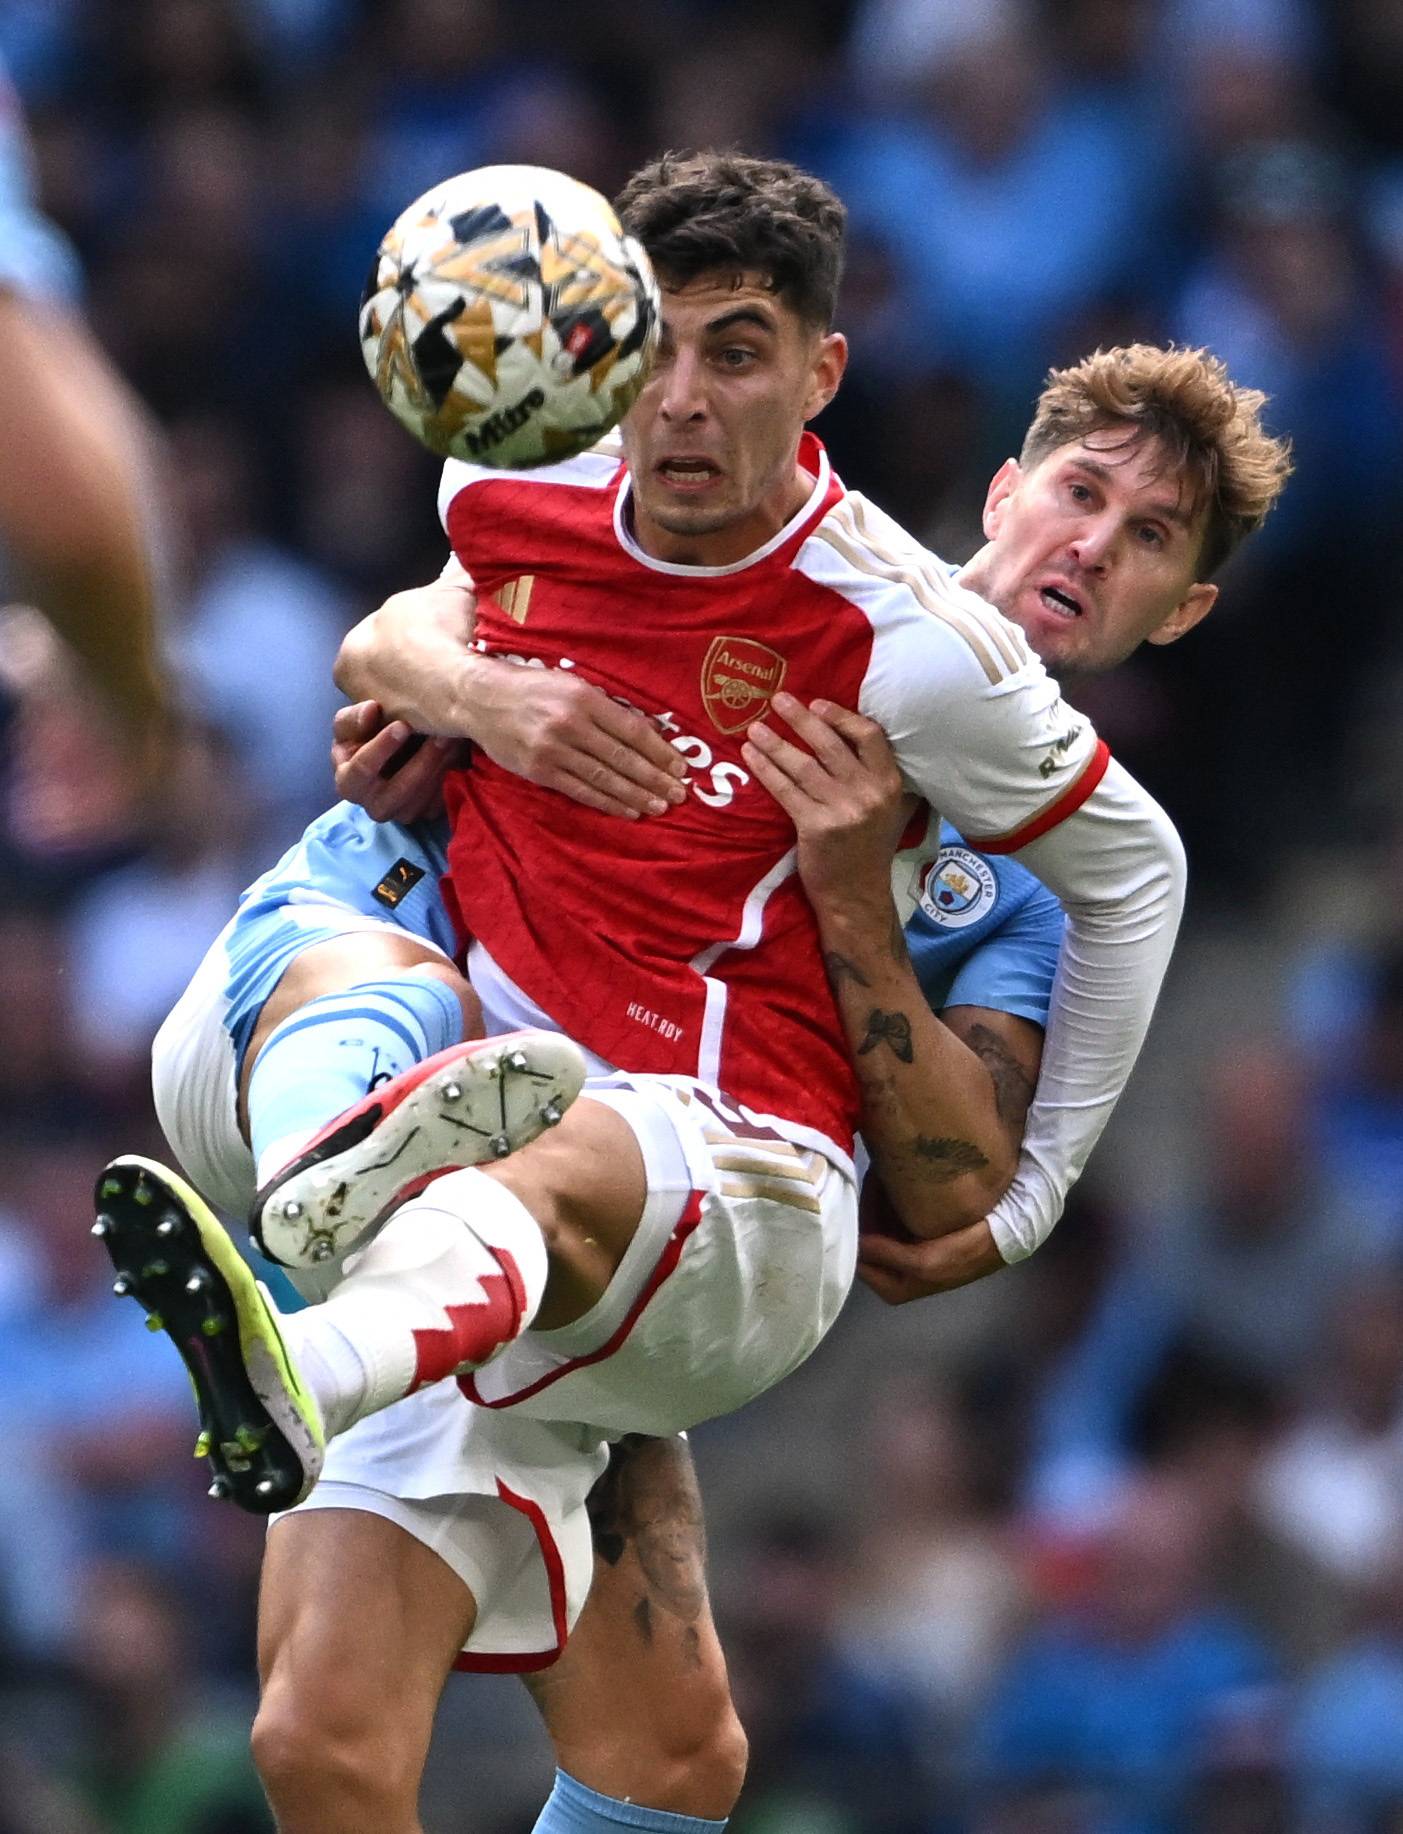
x=452, y=1278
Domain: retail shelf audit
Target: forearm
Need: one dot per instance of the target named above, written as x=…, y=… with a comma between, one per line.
x=1118, y=867
x=932, y=1120
x=78, y=506
x=414, y=657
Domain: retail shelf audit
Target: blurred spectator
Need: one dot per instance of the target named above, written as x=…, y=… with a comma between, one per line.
x=969, y=175
x=1333, y=1483
x=1241, y=1269
x=1118, y=1699
x=834, y=1737
x=138, y=934
x=942, y=1585
x=1347, y=1736
x=170, y=1758
x=248, y=600
x=99, y=1425
x=1186, y=1411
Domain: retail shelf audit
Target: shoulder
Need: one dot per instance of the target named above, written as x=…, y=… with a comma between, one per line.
x=909, y=593
x=595, y=469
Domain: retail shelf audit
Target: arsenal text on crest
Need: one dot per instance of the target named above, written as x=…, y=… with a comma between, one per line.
x=738, y=679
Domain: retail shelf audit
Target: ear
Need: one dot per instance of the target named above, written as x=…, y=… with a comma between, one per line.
x=830, y=360
x=1001, y=487
x=1192, y=608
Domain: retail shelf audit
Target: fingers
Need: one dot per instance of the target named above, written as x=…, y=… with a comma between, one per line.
x=638, y=751
x=759, y=754
x=354, y=724
x=892, y=1269
x=585, y=778
x=624, y=782
x=796, y=769
x=856, y=728
x=406, y=793
x=892, y=1289
x=410, y=791
x=591, y=796
x=825, y=742
x=365, y=761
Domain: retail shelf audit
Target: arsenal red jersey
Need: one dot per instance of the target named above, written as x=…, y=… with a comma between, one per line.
x=683, y=943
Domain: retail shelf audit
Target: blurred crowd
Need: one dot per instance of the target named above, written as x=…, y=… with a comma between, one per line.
x=1109, y=1545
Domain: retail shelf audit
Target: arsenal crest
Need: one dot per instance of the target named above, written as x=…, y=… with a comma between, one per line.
x=738, y=680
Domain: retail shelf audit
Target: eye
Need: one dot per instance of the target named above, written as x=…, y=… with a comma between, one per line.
x=1151, y=535
x=1079, y=493
x=736, y=356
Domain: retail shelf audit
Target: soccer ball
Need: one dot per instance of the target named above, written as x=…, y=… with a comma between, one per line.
x=507, y=319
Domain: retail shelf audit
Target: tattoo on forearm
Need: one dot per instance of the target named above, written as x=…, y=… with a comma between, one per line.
x=889, y=1028
x=947, y=1159
x=1013, y=1090
x=840, y=970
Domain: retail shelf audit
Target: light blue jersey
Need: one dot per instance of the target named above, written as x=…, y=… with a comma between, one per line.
x=344, y=869
x=985, y=931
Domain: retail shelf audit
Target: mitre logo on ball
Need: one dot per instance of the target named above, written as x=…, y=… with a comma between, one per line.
x=739, y=679
x=507, y=319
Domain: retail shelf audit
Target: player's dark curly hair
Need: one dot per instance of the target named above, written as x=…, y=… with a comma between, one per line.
x=704, y=213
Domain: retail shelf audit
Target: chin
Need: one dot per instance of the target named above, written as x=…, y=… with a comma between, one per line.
x=690, y=518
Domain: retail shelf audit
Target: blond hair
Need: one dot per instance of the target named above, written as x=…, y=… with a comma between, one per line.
x=1211, y=431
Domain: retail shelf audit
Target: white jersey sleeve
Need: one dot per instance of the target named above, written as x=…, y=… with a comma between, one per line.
x=1118, y=867
x=981, y=731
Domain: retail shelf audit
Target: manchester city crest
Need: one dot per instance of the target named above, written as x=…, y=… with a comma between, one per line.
x=958, y=888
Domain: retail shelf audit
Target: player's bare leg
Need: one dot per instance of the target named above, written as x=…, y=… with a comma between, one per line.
x=355, y=1614
x=638, y=1708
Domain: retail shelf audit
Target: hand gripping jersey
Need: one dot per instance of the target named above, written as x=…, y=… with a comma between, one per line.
x=684, y=944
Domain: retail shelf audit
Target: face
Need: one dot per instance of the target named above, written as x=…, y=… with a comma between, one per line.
x=712, y=441
x=1093, y=552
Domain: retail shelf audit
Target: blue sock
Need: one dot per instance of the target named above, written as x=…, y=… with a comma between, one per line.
x=334, y=1050
x=573, y=1809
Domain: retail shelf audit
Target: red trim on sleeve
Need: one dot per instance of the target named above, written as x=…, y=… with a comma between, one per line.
x=666, y=1262
x=555, y=1580
x=1066, y=804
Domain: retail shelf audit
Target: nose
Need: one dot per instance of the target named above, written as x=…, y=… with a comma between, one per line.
x=682, y=395
x=1093, y=547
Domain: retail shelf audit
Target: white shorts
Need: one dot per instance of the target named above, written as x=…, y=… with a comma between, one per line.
x=740, y=1265
x=516, y=1529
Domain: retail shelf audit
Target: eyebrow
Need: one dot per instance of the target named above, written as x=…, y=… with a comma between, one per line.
x=742, y=315
x=1169, y=512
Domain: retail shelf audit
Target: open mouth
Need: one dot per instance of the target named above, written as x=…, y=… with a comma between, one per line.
x=688, y=473
x=1061, y=603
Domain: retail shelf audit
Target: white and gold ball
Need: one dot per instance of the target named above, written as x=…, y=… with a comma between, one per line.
x=507, y=319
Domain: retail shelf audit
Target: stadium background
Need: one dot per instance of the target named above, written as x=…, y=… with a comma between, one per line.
x=1109, y=1545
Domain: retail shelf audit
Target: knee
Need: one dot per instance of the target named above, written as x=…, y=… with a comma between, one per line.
x=699, y=1761
x=715, y=1768
x=312, y=1758
x=461, y=988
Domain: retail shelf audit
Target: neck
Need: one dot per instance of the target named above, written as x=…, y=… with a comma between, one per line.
x=975, y=572
x=721, y=547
